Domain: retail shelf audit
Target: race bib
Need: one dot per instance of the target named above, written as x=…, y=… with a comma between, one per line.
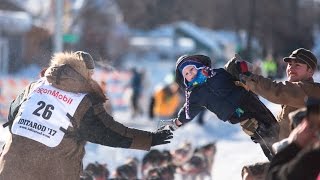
x=44, y=112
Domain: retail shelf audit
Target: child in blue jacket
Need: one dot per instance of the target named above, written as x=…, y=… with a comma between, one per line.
x=216, y=90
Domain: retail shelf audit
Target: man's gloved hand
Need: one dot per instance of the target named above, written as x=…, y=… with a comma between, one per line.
x=171, y=123
x=245, y=78
x=249, y=126
x=240, y=83
x=247, y=81
x=161, y=137
x=237, y=66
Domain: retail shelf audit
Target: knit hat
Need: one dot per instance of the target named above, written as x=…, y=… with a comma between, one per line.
x=303, y=56
x=189, y=62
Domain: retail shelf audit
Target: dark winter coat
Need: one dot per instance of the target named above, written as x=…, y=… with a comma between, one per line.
x=294, y=163
x=23, y=158
x=219, y=95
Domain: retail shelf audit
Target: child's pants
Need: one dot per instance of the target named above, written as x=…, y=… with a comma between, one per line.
x=267, y=130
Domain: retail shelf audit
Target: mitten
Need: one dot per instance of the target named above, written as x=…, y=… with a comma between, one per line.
x=249, y=126
x=231, y=67
x=237, y=66
x=161, y=137
x=243, y=67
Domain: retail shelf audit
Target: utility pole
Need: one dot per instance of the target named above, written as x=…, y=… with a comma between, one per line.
x=250, y=30
x=58, y=44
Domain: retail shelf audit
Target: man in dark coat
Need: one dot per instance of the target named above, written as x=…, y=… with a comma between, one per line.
x=300, y=159
x=51, y=121
x=215, y=90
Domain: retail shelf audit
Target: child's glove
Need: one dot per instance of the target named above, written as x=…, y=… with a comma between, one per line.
x=171, y=123
x=237, y=66
x=243, y=67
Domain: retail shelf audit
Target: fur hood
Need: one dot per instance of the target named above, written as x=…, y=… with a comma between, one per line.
x=68, y=72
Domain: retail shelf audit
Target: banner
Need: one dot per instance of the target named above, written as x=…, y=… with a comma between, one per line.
x=116, y=85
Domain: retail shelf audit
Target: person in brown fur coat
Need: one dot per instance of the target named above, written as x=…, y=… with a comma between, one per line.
x=54, y=117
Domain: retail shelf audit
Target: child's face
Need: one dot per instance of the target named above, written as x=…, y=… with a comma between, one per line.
x=189, y=72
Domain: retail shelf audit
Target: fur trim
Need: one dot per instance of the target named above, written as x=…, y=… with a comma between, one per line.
x=197, y=57
x=73, y=60
x=69, y=72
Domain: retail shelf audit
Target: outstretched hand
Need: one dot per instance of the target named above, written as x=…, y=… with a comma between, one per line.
x=240, y=83
x=171, y=123
x=161, y=137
